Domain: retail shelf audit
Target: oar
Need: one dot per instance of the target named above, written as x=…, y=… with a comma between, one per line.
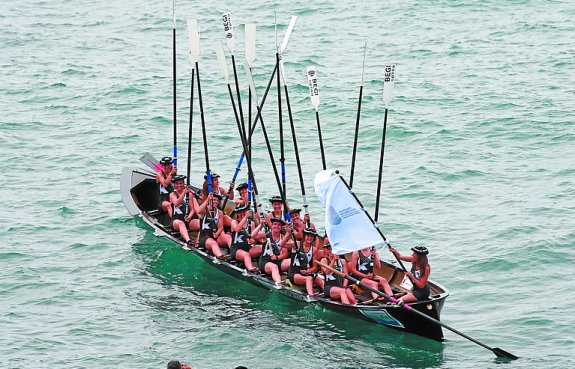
x=292, y=125
x=388, y=82
x=194, y=35
x=259, y=116
x=193, y=57
x=225, y=73
x=174, y=80
x=281, y=131
x=229, y=31
x=357, y=119
x=497, y=351
x=314, y=96
x=250, y=55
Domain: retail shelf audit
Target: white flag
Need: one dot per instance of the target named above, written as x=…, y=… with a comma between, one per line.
x=346, y=224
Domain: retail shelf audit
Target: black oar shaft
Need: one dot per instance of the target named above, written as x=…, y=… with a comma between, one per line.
x=296, y=149
x=320, y=140
x=281, y=132
x=241, y=111
x=355, y=137
x=496, y=351
x=380, y=166
x=204, y=133
x=174, y=95
x=370, y=218
x=190, y=128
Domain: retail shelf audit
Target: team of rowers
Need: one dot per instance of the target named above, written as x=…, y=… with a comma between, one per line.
x=277, y=246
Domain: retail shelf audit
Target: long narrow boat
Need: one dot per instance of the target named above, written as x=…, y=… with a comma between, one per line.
x=140, y=195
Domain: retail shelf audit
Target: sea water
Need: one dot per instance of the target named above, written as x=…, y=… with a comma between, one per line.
x=478, y=166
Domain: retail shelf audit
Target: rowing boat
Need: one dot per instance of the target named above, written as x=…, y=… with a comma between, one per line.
x=140, y=196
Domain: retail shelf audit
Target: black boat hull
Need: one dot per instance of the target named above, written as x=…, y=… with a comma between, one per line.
x=140, y=195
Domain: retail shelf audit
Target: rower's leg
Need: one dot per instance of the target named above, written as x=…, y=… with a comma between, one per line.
x=350, y=296
x=167, y=207
x=181, y=227
x=272, y=269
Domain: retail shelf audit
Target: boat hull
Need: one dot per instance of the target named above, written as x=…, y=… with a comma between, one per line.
x=140, y=195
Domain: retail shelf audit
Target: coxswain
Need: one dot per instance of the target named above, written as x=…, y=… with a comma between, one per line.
x=164, y=179
x=182, y=210
x=212, y=234
x=419, y=274
x=302, y=270
x=274, y=255
x=243, y=248
x=335, y=286
x=362, y=264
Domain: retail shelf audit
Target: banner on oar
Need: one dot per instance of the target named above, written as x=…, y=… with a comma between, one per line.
x=346, y=224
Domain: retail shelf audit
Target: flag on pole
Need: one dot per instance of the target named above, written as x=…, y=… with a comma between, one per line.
x=346, y=224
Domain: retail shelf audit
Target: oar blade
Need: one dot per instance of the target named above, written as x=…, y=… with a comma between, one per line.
x=222, y=61
x=229, y=30
x=250, y=43
x=313, y=87
x=288, y=33
x=193, y=40
x=251, y=83
x=388, y=83
x=502, y=353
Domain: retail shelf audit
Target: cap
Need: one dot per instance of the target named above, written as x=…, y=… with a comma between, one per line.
x=276, y=198
x=293, y=211
x=217, y=196
x=327, y=245
x=179, y=177
x=421, y=250
x=278, y=220
x=166, y=160
x=241, y=207
x=242, y=186
x=214, y=175
x=310, y=231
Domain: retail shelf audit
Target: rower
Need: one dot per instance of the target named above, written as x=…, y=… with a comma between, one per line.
x=212, y=234
x=419, y=274
x=243, y=192
x=216, y=188
x=181, y=209
x=298, y=224
x=276, y=212
x=243, y=248
x=302, y=270
x=273, y=259
x=335, y=286
x=164, y=179
x=362, y=264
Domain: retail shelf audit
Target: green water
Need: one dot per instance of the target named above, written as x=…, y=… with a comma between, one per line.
x=478, y=166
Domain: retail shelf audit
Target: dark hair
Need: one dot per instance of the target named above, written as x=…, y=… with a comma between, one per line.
x=174, y=364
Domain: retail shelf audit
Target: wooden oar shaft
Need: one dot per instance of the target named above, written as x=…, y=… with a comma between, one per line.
x=496, y=351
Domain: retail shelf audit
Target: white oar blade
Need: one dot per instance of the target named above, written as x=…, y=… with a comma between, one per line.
x=250, y=40
x=229, y=30
x=193, y=40
x=388, y=82
x=288, y=33
x=251, y=83
x=224, y=71
x=313, y=87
